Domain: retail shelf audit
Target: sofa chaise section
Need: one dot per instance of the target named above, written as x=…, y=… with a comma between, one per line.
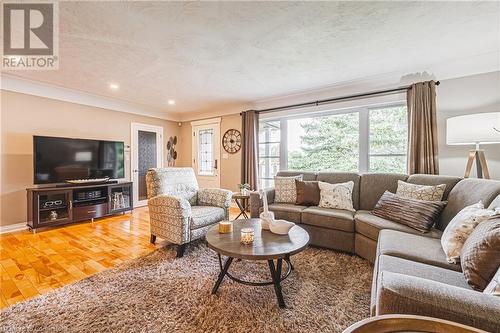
x=411, y=276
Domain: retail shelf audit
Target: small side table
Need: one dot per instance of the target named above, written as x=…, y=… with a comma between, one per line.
x=242, y=203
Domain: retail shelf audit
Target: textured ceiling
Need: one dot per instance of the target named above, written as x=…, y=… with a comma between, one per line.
x=211, y=55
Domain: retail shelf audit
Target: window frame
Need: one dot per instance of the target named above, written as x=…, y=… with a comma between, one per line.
x=364, y=134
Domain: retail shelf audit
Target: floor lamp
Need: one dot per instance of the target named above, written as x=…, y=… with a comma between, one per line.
x=474, y=129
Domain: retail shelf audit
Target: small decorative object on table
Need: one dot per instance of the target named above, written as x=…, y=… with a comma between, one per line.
x=267, y=221
x=53, y=215
x=244, y=188
x=280, y=227
x=266, y=216
x=246, y=236
x=225, y=227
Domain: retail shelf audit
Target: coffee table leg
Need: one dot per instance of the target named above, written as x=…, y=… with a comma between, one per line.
x=222, y=274
x=289, y=262
x=276, y=281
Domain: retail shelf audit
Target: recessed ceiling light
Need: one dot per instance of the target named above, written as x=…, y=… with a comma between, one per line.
x=171, y=102
x=114, y=86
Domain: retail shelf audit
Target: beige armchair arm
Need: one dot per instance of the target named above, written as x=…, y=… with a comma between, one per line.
x=169, y=218
x=215, y=197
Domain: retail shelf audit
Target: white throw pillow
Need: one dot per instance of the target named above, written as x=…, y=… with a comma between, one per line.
x=285, y=189
x=337, y=196
x=460, y=228
x=493, y=288
x=420, y=192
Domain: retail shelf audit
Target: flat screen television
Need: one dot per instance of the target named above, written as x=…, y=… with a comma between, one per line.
x=57, y=160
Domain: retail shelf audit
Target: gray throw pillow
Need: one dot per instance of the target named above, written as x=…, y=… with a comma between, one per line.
x=417, y=214
x=307, y=193
x=480, y=257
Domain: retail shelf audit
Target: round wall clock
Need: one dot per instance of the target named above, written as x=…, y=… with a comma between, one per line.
x=231, y=141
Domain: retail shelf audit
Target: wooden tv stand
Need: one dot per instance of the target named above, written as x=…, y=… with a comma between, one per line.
x=53, y=206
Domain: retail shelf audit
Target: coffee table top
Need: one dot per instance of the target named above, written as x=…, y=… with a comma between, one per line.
x=266, y=245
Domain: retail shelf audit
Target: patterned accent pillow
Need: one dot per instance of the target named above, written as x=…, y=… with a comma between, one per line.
x=459, y=229
x=480, y=257
x=337, y=196
x=417, y=214
x=420, y=192
x=493, y=288
x=285, y=189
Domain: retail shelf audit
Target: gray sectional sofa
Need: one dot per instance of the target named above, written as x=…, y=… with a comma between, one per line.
x=411, y=274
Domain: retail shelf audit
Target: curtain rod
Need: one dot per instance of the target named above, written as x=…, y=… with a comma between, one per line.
x=336, y=99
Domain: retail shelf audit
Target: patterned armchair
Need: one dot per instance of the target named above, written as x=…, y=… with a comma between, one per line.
x=179, y=210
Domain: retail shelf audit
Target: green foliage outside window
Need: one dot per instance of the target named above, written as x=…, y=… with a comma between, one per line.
x=332, y=142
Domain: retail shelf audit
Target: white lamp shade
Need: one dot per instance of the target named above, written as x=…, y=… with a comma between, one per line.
x=470, y=129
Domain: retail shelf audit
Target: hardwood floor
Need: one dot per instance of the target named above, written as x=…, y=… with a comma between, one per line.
x=34, y=264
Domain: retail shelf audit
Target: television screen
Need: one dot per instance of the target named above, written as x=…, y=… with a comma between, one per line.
x=57, y=160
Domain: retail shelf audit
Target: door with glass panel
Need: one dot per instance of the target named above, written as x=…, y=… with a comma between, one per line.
x=147, y=152
x=206, y=152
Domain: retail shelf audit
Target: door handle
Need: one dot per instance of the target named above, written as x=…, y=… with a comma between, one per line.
x=215, y=164
x=135, y=170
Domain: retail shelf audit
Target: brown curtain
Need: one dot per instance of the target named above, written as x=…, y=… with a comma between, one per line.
x=249, y=150
x=422, y=125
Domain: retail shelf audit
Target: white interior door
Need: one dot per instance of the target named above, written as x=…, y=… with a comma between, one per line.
x=206, y=152
x=146, y=153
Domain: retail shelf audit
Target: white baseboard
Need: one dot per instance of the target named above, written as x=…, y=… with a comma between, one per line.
x=13, y=227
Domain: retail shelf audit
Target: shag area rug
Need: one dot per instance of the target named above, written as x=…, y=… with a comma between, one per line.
x=327, y=292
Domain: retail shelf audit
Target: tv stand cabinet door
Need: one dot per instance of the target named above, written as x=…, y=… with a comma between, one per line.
x=47, y=211
x=120, y=198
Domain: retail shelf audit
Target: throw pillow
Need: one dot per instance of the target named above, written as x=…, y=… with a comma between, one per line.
x=416, y=214
x=459, y=229
x=480, y=257
x=493, y=288
x=337, y=196
x=420, y=192
x=285, y=190
x=307, y=193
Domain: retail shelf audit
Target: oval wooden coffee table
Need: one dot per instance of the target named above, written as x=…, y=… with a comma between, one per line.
x=266, y=246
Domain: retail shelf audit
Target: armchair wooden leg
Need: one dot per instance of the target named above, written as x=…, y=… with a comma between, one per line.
x=180, y=250
x=152, y=240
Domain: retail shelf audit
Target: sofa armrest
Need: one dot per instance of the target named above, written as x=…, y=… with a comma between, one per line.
x=169, y=218
x=256, y=203
x=403, y=294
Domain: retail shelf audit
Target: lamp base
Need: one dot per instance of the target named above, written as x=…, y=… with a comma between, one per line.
x=481, y=165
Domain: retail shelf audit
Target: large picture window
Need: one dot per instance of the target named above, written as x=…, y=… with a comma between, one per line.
x=356, y=140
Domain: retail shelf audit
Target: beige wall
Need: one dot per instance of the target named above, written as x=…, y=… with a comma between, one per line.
x=466, y=95
x=23, y=116
x=230, y=167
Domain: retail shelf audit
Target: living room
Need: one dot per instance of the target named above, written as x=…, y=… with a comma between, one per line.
x=145, y=145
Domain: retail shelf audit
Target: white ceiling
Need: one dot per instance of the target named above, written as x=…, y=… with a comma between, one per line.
x=215, y=55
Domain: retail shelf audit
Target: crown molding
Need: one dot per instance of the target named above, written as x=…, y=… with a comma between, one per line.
x=35, y=88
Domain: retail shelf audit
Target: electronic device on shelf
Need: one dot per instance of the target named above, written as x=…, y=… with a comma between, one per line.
x=92, y=194
x=88, y=181
x=77, y=161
